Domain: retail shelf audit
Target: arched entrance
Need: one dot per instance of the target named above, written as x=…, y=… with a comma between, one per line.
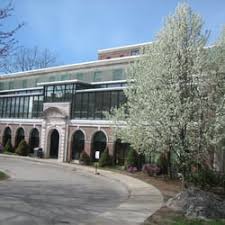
x=19, y=136
x=54, y=144
x=6, y=136
x=99, y=143
x=77, y=145
x=34, y=139
x=120, y=152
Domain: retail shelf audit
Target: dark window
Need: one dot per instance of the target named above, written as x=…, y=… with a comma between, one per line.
x=77, y=144
x=135, y=52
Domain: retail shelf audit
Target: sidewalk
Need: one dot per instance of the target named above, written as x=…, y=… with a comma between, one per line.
x=144, y=199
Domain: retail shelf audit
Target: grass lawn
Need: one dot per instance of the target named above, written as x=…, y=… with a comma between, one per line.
x=166, y=216
x=3, y=176
x=184, y=221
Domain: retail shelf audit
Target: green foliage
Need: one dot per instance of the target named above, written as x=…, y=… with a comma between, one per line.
x=207, y=178
x=3, y=176
x=105, y=159
x=163, y=162
x=8, y=147
x=132, y=158
x=84, y=158
x=22, y=149
x=186, y=221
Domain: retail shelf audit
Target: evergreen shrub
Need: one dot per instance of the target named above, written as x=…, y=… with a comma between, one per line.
x=84, y=158
x=105, y=159
x=8, y=147
x=22, y=149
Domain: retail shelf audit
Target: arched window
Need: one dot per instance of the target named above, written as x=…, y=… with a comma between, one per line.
x=19, y=136
x=99, y=143
x=6, y=136
x=34, y=139
x=77, y=144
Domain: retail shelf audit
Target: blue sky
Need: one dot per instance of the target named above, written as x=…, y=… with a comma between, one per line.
x=76, y=29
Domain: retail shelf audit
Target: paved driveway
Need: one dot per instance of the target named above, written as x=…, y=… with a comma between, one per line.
x=38, y=193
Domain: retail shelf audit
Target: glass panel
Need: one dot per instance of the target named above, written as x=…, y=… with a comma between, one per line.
x=117, y=74
x=97, y=76
x=58, y=93
x=24, y=83
x=114, y=99
x=91, y=107
x=84, y=110
x=26, y=105
x=79, y=76
x=77, y=106
x=106, y=102
x=21, y=112
x=98, y=105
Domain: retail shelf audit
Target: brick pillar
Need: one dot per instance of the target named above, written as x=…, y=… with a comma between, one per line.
x=87, y=147
x=110, y=146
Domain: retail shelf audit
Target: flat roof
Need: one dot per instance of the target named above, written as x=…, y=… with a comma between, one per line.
x=61, y=82
x=123, y=47
x=21, y=89
x=83, y=65
x=19, y=95
x=101, y=89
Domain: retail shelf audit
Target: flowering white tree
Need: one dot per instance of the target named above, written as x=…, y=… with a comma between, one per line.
x=170, y=97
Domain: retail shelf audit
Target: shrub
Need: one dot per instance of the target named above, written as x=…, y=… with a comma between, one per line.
x=163, y=163
x=22, y=149
x=132, y=169
x=105, y=159
x=84, y=158
x=132, y=158
x=151, y=169
x=8, y=147
x=207, y=178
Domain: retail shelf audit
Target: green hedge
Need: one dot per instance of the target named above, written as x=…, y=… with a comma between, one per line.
x=8, y=147
x=22, y=149
x=105, y=159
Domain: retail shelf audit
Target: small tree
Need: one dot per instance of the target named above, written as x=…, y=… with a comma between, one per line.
x=22, y=149
x=105, y=159
x=8, y=147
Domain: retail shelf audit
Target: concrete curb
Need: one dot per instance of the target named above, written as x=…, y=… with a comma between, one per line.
x=144, y=199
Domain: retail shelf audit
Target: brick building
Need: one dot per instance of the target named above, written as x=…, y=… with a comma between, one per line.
x=61, y=109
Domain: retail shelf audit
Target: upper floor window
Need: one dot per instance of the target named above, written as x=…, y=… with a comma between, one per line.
x=24, y=83
x=80, y=76
x=97, y=76
x=11, y=85
x=117, y=74
x=135, y=52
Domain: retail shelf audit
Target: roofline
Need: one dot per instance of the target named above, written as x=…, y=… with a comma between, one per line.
x=83, y=65
x=109, y=82
x=61, y=82
x=123, y=47
x=22, y=89
x=101, y=89
x=20, y=95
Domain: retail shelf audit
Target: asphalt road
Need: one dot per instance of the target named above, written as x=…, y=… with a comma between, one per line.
x=42, y=194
